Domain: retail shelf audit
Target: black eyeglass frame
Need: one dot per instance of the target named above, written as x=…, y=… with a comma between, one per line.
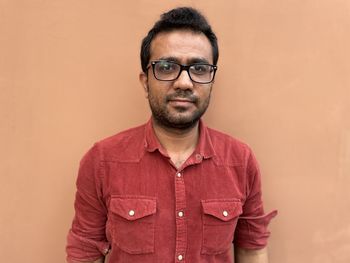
x=182, y=67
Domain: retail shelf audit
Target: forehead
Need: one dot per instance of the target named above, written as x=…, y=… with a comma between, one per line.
x=184, y=45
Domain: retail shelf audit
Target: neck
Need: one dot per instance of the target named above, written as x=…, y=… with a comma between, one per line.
x=179, y=143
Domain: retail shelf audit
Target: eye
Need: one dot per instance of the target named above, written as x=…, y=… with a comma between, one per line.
x=166, y=66
x=200, y=69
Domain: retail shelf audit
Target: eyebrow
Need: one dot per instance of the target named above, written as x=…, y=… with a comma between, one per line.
x=198, y=60
x=191, y=61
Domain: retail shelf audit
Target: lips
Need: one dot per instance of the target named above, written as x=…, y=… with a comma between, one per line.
x=182, y=100
x=181, y=103
x=176, y=97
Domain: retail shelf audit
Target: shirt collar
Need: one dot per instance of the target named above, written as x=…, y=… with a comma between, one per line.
x=205, y=145
x=204, y=148
x=151, y=141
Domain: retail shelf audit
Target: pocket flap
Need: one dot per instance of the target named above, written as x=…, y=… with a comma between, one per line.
x=133, y=208
x=223, y=209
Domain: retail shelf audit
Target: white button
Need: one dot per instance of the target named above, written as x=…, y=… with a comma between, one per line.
x=180, y=214
x=131, y=213
x=178, y=175
x=225, y=213
x=180, y=257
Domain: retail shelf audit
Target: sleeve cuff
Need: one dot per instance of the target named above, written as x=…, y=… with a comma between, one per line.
x=252, y=232
x=84, y=249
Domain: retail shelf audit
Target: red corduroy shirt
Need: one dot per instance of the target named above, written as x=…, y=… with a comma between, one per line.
x=134, y=204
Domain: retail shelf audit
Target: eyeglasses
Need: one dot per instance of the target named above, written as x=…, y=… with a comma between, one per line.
x=164, y=70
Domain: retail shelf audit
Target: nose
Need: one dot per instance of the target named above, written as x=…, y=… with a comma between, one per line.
x=183, y=81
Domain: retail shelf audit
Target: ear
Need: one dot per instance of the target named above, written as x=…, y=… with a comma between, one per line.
x=144, y=82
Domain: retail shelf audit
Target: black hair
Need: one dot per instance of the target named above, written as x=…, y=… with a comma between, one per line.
x=179, y=18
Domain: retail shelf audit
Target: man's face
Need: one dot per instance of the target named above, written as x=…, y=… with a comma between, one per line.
x=179, y=103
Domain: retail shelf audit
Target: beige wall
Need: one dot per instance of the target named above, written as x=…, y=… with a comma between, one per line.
x=69, y=76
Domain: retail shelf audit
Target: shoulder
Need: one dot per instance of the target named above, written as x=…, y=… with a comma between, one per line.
x=125, y=145
x=219, y=137
x=229, y=149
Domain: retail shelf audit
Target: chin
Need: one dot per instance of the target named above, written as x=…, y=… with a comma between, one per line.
x=183, y=121
x=182, y=118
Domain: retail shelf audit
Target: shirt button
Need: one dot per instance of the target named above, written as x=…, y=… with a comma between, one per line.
x=131, y=213
x=180, y=214
x=225, y=213
x=180, y=257
x=178, y=175
x=198, y=157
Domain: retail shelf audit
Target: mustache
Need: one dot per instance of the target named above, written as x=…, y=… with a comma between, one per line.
x=182, y=94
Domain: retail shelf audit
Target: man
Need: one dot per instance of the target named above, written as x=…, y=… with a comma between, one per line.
x=171, y=190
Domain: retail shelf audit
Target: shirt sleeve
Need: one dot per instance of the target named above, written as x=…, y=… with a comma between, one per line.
x=86, y=240
x=251, y=231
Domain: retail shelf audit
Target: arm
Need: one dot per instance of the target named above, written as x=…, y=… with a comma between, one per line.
x=251, y=255
x=251, y=233
x=86, y=240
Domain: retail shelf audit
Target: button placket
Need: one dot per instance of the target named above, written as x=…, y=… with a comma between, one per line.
x=181, y=224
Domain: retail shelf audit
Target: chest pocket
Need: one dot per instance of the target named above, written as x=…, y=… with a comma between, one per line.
x=219, y=222
x=132, y=220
